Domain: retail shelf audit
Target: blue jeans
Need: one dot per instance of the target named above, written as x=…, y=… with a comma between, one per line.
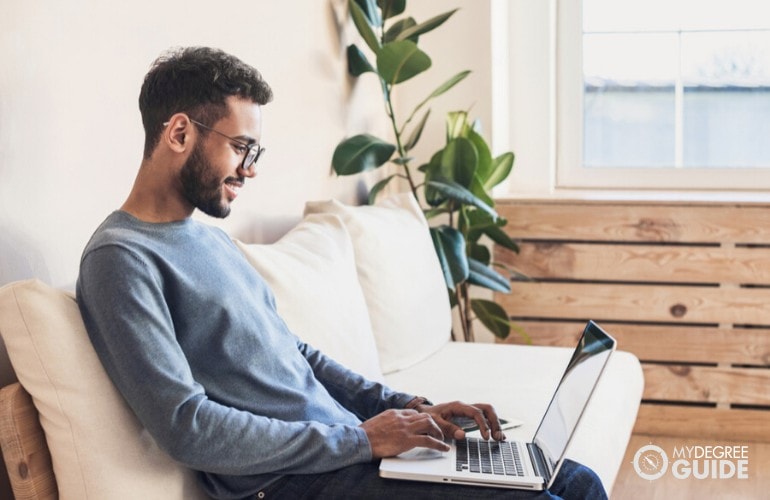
x=574, y=481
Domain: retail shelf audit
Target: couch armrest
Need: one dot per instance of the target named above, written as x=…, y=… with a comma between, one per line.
x=25, y=450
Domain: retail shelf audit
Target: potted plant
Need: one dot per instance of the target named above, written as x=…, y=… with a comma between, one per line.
x=454, y=185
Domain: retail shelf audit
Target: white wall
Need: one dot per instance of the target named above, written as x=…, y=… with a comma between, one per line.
x=70, y=131
x=462, y=43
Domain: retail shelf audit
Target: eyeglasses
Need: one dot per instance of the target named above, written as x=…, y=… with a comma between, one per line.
x=253, y=151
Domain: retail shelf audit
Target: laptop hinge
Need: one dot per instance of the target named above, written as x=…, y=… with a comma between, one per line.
x=541, y=465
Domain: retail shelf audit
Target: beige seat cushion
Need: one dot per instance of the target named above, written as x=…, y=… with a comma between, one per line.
x=400, y=276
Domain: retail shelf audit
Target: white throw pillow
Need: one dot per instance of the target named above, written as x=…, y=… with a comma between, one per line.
x=98, y=447
x=312, y=273
x=400, y=275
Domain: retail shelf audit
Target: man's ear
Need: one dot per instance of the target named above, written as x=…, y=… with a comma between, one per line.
x=177, y=132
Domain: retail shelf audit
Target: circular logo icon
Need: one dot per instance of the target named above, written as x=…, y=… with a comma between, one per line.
x=650, y=462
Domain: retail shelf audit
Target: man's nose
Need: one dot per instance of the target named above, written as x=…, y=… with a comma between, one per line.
x=248, y=172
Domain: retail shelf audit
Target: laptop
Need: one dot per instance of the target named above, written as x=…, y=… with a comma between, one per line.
x=516, y=464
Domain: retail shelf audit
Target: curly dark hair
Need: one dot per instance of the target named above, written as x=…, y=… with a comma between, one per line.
x=196, y=81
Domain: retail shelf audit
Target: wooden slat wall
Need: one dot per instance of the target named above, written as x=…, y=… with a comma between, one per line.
x=685, y=287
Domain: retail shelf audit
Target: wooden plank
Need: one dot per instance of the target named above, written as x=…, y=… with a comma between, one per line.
x=669, y=264
x=705, y=384
x=614, y=262
x=633, y=221
x=641, y=303
x=713, y=423
x=25, y=452
x=692, y=344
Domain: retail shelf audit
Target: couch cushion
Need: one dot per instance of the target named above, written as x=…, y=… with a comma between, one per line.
x=98, y=447
x=519, y=381
x=312, y=272
x=400, y=276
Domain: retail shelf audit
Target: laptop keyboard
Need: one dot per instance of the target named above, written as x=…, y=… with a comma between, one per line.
x=488, y=457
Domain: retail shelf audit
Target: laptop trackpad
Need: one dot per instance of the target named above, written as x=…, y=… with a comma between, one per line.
x=420, y=453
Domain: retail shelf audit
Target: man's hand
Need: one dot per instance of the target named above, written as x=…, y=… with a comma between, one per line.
x=396, y=431
x=484, y=415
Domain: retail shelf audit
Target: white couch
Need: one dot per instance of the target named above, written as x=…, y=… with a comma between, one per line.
x=360, y=283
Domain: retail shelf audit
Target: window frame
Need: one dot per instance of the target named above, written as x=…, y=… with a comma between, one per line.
x=570, y=171
x=555, y=90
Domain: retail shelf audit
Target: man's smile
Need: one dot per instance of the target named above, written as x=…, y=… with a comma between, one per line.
x=233, y=187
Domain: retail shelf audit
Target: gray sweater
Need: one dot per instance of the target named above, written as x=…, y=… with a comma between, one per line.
x=188, y=332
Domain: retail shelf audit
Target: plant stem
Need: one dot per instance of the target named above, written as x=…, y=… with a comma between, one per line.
x=401, y=153
x=463, y=309
x=469, y=336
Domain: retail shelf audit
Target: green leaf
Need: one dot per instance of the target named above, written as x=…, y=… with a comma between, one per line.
x=478, y=222
x=493, y=316
x=361, y=153
x=397, y=27
x=361, y=22
x=402, y=161
x=458, y=193
x=439, y=90
x=371, y=10
x=482, y=224
x=456, y=123
x=450, y=249
x=459, y=161
x=357, y=62
x=501, y=169
x=484, y=169
x=449, y=84
x=416, y=132
x=514, y=273
x=479, y=252
x=477, y=188
x=462, y=219
x=379, y=187
x=431, y=170
x=485, y=276
x=427, y=26
x=391, y=8
x=496, y=234
x=400, y=61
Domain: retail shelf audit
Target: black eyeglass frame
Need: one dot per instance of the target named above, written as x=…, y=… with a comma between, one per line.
x=254, y=150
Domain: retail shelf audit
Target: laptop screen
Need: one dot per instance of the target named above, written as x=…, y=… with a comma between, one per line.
x=573, y=393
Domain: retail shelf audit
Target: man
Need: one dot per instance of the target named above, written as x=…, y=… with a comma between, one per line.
x=189, y=333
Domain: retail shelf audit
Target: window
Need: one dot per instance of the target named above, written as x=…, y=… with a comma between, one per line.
x=663, y=94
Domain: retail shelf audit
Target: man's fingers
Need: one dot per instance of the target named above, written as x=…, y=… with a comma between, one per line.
x=494, y=427
x=481, y=420
x=484, y=416
x=395, y=431
x=424, y=424
x=427, y=441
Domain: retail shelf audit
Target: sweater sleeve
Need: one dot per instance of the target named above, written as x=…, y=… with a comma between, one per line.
x=361, y=396
x=127, y=318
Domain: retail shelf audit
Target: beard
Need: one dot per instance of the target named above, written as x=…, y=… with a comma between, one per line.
x=202, y=188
